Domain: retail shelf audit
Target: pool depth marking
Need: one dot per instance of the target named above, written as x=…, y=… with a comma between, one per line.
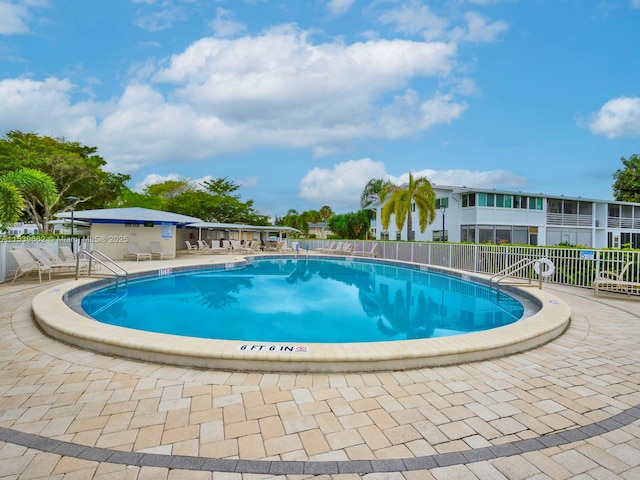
x=274, y=348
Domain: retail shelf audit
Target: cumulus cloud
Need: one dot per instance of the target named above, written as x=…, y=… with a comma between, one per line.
x=224, y=25
x=619, y=117
x=480, y=30
x=339, y=7
x=468, y=178
x=167, y=14
x=15, y=17
x=415, y=18
x=222, y=95
x=342, y=184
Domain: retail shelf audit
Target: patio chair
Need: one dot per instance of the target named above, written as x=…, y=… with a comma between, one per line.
x=347, y=248
x=363, y=253
x=56, y=267
x=238, y=247
x=190, y=247
x=156, y=251
x=328, y=249
x=56, y=260
x=618, y=282
x=67, y=253
x=27, y=264
x=133, y=251
x=203, y=247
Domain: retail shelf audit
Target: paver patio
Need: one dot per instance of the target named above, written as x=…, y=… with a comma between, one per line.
x=569, y=409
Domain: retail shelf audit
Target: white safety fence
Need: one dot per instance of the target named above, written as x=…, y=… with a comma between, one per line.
x=573, y=266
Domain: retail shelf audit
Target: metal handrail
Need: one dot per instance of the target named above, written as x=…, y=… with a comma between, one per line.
x=508, y=272
x=92, y=256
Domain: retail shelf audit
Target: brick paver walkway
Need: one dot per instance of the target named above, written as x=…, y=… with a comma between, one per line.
x=569, y=409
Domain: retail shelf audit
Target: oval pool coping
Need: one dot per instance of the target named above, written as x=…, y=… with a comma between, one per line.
x=58, y=320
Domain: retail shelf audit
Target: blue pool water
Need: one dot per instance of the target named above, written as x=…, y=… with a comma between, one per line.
x=305, y=300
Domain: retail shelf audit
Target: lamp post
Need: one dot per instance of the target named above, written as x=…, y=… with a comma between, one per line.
x=73, y=200
x=443, y=209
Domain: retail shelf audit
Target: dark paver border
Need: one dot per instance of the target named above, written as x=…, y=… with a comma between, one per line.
x=183, y=462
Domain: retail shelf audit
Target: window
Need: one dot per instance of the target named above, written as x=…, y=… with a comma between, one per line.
x=520, y=201
x=521, y=235
x=499, y=200
x=554, y=205
x=503, y=235
x=570, y=207
x=535, y=203
x=482, y=199
x=485, y=234
x=468, y=233
x=442, y=203
x=398, y=235
x=508, y=201
x=491, y=200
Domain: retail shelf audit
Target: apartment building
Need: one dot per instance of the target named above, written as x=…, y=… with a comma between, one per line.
x=477, y=215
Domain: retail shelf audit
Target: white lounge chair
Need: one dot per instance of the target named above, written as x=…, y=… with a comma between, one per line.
x=133, y=251
x=617, y=282
x=156, y=251
x=329, y=249
x=67, y=253
x=203, y=247
x=56, y=267
x=362, y=253
x=190, y=247
x=27, y=264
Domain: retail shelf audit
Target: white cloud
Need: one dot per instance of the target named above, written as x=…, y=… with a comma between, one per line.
x=161, y=19
x=619, y=117
x=480, y=30
x=415, y=18
x=341, y=185
x=14, y=18
x=43, y=106
x=339, y=7
x=469, y=178
x=154, y=178
x=230, y=95
x=635, y=3
x=224, y=25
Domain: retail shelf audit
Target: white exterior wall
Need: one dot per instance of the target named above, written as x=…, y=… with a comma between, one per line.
x=111, y=238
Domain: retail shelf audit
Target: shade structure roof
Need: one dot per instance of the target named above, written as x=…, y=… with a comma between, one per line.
x=131, y=214
x=243, y=227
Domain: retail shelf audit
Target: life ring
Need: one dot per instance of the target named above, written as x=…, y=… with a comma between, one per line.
x=548, y=271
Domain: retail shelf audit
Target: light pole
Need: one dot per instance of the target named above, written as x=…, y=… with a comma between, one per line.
x=73, y=200
x=443, y=209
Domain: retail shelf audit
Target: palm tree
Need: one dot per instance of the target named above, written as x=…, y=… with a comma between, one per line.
x=372, y=190
x=326, y=213
x=15, y=185
x=296, y=220
x=401, y=198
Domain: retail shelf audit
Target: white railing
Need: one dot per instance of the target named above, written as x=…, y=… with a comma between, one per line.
x=573, y=266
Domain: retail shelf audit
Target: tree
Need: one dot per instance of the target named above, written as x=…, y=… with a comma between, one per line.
x=75, y=169
x=350, y=225
x=326, y=213
x=626, y=187
x=372, y=190
x=15, y=186
x=401, y=198
x=295, y=220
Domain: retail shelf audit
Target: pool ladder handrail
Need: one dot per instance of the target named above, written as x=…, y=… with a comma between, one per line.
x=93, y=255
x=508, y=273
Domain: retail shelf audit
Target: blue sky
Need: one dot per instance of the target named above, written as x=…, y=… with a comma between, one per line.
x=302, y=102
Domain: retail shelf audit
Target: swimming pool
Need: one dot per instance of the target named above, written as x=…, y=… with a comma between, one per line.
x=56, y=311
x=305, y=300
